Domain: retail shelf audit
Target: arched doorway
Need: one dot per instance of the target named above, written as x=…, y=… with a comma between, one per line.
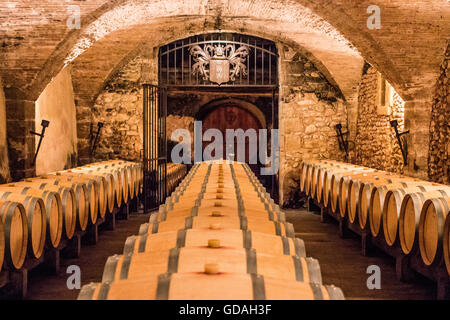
x=232, y=116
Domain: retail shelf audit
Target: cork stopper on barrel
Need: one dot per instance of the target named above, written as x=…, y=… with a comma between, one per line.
x=219, y=190
x=214, y=226
x=217, y=214
x=211, y=268
x=213, y=243
x=218, y=204
x=219, y=196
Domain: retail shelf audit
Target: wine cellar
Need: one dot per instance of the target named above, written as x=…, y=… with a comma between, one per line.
x=224, y=150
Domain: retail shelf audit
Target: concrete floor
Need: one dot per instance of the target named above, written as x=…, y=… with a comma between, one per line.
x=340, y=260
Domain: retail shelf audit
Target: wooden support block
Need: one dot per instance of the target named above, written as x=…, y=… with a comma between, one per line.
x=73, y=247
x=134, y=205
x=110, y=220
x=342, y=226
x=16, y=285
x=124, y=212
x=365, y=244
x=443, y=288
x=324, y=215
x=91, y=236
x=403, y=269
x=53, y=260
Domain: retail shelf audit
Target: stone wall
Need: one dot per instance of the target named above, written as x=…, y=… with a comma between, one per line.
x=439, y=153
x=376, y=145
x=310, y=108
x=56, y=104
x=4, y=163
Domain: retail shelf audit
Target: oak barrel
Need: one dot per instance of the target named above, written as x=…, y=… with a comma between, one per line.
x=35, y=214
x=15, y=232
x=203, y=286
x=410, y=212
x=431, y=228
x=261, y=242
x=391, y=209
x=243, y=223
x=230, y=260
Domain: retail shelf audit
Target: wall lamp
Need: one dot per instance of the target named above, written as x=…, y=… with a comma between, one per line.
x=402, y=142
x=97, y=135
x=44, y=125
x=343, y=143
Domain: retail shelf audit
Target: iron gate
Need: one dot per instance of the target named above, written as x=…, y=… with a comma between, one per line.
x=155, y=147
x=213, y=60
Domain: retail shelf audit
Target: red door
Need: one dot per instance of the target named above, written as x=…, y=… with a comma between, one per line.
x=231, y=117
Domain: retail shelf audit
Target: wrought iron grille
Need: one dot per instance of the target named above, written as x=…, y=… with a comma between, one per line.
x=155, y=147
x=219, y=59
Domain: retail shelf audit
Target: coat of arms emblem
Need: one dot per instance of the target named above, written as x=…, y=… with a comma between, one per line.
x=219, y=64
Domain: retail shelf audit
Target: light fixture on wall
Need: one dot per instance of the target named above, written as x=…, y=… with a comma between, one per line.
x=97, y=135
x=44, y=125
x=402, y=142
x=343, y=143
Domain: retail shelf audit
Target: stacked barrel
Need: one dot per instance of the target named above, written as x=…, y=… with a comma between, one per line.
x=38, y=214
x=218, y=236
x=406, y=212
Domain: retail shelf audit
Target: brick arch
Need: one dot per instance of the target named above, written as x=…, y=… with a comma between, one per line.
x=296, y=24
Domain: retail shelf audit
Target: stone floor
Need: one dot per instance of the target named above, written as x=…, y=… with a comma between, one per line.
x=340, y=260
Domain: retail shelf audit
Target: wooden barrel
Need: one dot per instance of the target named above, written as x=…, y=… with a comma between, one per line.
x=53, y=210
x=364, y=196
x=230, y=260
x=68, y=203
x=344, y=188
x=125, y=177
x=446, y=243
x=102, y=187
x=15, y=232
x=36, y=221
x=118, y=182
x=391, y=209
x=81, y=198
x=377, y=198
x=208, y=286
x=431, y=229
x=108, y=183
x=241, y=223
x=336, y=188
x=163, y=214
x=318, y=176
x=92, y=187
x=231, y=238
x=409, y=218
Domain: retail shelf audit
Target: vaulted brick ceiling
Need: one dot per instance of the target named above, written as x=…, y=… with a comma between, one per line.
x=36, y=43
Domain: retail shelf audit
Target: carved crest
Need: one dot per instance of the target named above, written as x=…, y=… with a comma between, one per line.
x=219, y=64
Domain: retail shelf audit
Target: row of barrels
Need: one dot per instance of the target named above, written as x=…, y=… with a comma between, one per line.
x=219, y=236
x=38, y=213
x=408, y=212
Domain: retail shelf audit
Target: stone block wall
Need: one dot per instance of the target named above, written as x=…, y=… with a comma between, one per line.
x=376, y=145
x=439, y=153
x=20, y=120
x=310, y=109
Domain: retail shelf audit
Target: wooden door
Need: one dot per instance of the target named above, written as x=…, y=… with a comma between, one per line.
x=231, y=117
